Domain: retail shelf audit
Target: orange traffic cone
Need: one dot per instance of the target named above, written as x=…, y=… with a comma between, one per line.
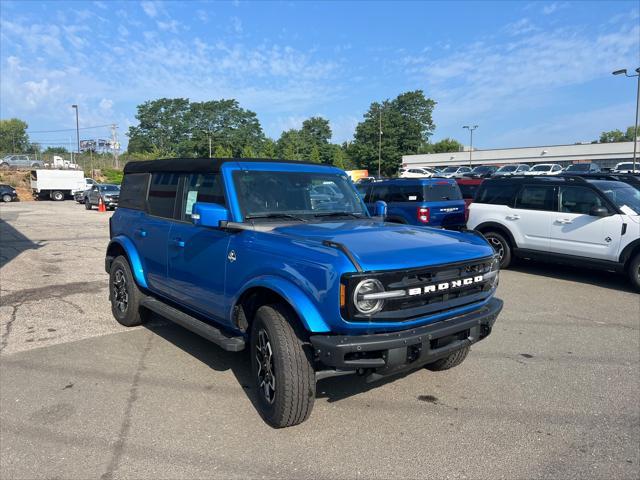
x=101, y=207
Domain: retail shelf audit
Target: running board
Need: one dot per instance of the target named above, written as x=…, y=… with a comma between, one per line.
x=205, y=330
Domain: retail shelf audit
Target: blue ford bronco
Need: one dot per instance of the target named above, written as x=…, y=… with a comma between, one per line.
x=252, y=254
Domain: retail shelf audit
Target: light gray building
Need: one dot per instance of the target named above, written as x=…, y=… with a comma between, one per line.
x=606, y=155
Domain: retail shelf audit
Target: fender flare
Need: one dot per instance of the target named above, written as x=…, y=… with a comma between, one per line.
x=134, y=259
x=500, y=228
x=294, y=296
x=626, y=252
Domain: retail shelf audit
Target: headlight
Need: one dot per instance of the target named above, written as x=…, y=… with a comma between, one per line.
x=365, y=299
x=494, y=272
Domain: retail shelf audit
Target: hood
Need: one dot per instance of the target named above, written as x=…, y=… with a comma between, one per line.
x=390, y=246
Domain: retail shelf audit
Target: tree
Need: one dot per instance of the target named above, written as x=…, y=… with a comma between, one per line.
x=291, y=145
x=268, y=149
x=315, y=154
x=13, y=136
x=55, y=151
x=222, y=152
x=615, y=136
x=406, y=127
x=247, y=152
x=442, y=146
x=317, y=130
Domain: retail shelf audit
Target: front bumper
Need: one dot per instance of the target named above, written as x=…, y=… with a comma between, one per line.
x=388, y=353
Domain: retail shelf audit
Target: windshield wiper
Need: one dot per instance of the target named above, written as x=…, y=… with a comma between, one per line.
x=274, y=215
x=338, y=214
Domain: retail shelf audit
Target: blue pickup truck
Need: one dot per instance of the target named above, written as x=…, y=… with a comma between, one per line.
x=252, y=254
x=433, y=202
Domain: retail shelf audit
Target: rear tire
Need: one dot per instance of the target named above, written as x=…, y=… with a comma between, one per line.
x=87, y=204
x=453, y=360
x=633, y=271
x=124, y=295
x=7, y=198
x=501, y=246
x=282, y=368
x=57, y=196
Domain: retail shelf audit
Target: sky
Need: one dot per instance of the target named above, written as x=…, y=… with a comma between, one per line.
x=527, y=73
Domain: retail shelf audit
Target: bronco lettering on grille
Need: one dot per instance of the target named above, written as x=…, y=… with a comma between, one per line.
x=460, y=283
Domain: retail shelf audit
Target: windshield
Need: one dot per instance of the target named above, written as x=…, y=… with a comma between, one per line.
x=578, y=167
x=541, y=168
x=481, y=169
x=109, y=188
x=450, y=170
x=625, y=166
x=508, y=168
x=623, y=195
x=296, y=195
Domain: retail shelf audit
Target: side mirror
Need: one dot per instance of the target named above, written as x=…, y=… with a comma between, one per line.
x=599, y=212
x=380, y=209
x=208, y=214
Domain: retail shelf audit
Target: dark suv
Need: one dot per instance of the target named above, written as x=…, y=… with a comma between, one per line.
x=239, y=252
x=7, y=193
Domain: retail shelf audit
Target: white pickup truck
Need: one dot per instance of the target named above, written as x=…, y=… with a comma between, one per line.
x=57, y=184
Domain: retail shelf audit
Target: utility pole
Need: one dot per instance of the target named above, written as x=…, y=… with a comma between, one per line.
x=114, y=143
x=77, y=128
x=471, y=129
x=635, y=132
x=379, y=140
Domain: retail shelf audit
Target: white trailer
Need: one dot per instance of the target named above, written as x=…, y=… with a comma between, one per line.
x=56, y=184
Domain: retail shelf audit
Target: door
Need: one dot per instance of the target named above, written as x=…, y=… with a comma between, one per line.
x=575, y=232
x=198, y=255
x=151, y=235
x=531, y=216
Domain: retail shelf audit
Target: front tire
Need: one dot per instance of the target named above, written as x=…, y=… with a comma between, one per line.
x=87, y=204
x=501, y=246
x=281, y=367
x=453, y=360
x=633, y=271
x=7, y=198
x=124, y=294
x=57, y=196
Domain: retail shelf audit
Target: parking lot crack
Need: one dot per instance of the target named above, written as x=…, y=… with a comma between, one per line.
x=4, y=340
x=125, y=428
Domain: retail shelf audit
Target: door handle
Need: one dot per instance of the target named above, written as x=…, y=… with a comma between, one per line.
x=178, y=242
x=564, y=221
x=513, y=217
x=141, y=232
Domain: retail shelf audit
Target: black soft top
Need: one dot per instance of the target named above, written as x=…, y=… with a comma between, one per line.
x=196, y=165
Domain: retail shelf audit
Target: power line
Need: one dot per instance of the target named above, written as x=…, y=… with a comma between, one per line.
x=68, y=129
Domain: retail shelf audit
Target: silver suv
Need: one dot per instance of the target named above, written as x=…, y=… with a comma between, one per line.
x=20, y=161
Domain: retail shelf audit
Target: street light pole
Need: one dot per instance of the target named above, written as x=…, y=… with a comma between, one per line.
x=471, y=129
x=77, y=128
x=635, y=130
x=379, y=140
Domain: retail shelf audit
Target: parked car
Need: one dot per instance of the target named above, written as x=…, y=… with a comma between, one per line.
x=8, y=193
x=626, y=167
x=481, y=171
x=234, y=251
x=416, y=172
x=454, y=171
x=110, y=194
x=79, y=195
x=566, y=219
x=435, y=202
x=512, y=169
x=582, y=168
x=544, y=169
x=20, y=161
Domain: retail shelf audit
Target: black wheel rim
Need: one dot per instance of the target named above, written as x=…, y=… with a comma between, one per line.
x=266, y=372
x=120, y=294
x=497, y=246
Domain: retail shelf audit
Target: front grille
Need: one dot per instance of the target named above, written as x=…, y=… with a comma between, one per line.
x=414, y=306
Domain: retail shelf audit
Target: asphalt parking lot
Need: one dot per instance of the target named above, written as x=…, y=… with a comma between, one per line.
x=553, y=393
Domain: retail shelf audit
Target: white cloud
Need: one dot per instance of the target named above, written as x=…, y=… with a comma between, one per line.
x=150, y=9
x=122, y=30
x=236, y=24
x=168, y=26
x=550, y=8
x=520, y=27
x=202, y=15
x=100, y=5
x=106, y=104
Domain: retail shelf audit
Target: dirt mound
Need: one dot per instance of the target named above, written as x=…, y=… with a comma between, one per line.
x=20, y=180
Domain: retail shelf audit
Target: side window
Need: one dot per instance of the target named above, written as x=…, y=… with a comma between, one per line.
x=200, y=187
x=379, y=193
x=579, y=200
x=498, y=194
x=162, y=194
x=133, y=192
x=533, y=197
x=364, y=191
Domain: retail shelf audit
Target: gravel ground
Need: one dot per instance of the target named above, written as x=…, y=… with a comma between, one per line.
x=552, y=393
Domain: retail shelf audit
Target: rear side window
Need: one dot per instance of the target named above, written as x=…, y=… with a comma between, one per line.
x=532, y=197
x=133, y=192
x=497, y=194
x=379, y=192
x=199, y=187
x=468, y=191
x=405, y=193
x=438, y=192
x=162, y=194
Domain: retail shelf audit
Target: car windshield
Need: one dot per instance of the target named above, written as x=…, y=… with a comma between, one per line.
x=481, y=169
x=508, y=168
x=578, y=167
x=625, y=166
x=296, y=195
x=624, y=196
x=450, y=170
x=541, y=168
x=109, y=188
